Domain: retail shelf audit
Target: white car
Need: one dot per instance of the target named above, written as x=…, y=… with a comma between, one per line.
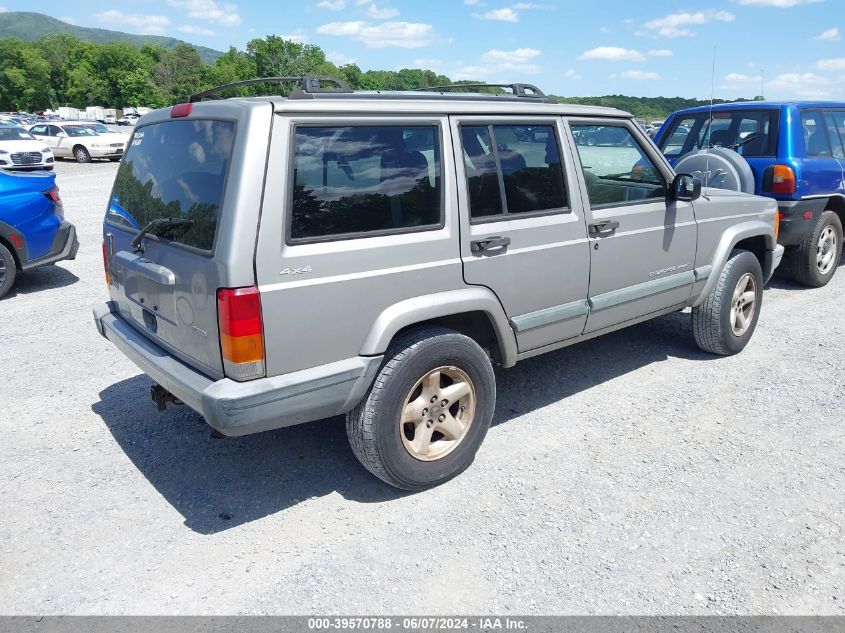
x=129, y=119
x=20, y=150
x=79, y=140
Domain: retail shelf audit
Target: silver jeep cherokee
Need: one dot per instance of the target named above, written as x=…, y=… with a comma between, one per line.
x=272, y=261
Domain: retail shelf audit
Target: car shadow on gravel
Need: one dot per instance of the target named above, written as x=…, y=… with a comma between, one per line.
x=543, y=380
x=43, y=278
x=217, y=484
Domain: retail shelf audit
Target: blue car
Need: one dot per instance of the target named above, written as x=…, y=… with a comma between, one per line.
x=793, y=152
x=33, y=230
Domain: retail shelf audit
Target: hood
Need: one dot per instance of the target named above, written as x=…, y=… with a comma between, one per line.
x=22, y=145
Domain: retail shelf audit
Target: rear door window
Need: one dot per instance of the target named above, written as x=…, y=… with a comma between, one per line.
x=835, y=121
x=814, y=130
x=676, y=141
x=512, y=169
x=174, y=169
x=357, y=181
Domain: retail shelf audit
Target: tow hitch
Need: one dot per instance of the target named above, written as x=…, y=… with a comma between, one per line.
x=162, y=396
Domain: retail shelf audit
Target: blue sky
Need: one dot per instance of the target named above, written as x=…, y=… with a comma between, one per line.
x=568, y=47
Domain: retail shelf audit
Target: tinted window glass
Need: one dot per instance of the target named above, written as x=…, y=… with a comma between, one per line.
x=174, y=169
x=815, y=133
x=835, y=121
x=41, y=130
x=751, y=133
x=620, y=173
x=15, y=134
x=527, y=159
x=352, y=180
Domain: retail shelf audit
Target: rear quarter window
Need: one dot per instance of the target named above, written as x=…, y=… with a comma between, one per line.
x=174, y=169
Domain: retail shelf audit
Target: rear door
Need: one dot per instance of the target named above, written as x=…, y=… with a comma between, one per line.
x=523, y=233
x=821, y=170
x=208, y=169
x=642, y=246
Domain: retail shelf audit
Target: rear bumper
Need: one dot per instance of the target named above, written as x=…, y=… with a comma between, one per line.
x=110, y=152
x=65, y=246
x=240, y=408
x=798, y=219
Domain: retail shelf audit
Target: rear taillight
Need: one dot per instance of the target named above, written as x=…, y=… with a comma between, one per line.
x=53, y=195
x=779, y=179
x=106, y=263
x=241, y=332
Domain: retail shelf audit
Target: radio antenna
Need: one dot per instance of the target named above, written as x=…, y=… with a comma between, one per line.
x=710, y=117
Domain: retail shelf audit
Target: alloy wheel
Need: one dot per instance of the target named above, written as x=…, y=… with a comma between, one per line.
x=743, y=304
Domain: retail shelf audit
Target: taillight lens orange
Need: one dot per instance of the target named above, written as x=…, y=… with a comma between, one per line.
x=241, y=332
x=783, y=180
x=778, y=216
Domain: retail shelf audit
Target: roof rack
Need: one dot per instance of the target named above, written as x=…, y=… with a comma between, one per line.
x=308, y=86
x=517, y=89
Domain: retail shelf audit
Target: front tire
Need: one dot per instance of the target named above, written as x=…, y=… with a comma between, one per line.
x=427, y=412
x=8, y=270
x=725, y=322
x=813, y=262
x=81, y=154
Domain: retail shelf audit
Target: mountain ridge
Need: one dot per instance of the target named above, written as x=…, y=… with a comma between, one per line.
x=31, y=26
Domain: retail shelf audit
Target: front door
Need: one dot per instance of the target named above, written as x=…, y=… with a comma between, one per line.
x=642, y=245
x=523, y=231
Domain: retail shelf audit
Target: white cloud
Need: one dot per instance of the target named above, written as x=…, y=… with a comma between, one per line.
x=571, y=74
x=640, y=75
x=612, y=54
x=831, y=35
x=675, y=24
x=496, y=63
x=836, y=64
x=805, y=85
x=3, y=10
x=67, y=18
x=474, y=3
x=145, y=24
x=384, y=35
x=778, y=4
x=660, y=52
x=332, y=5
x=501, y=15
x=339, y=58
x=195, y=30
x=381, y=14
x=210, y=11
x=526, y=6
x=299, y=38
x=739, y=78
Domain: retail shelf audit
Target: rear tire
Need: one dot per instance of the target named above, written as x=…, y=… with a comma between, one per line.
x=814, y=262
x=725, y=322
x=8, y=270
x=432, y=379
x=81, y=154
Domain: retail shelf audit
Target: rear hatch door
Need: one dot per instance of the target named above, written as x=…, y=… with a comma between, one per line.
x=183, y=174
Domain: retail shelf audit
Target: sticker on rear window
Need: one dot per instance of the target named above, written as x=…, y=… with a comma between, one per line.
x=139, y=136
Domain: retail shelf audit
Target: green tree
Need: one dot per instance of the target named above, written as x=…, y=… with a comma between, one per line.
x=24, y=78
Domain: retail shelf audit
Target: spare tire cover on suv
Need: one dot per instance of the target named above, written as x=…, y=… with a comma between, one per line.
x=727, y=169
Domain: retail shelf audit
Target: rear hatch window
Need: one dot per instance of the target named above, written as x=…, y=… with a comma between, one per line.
x=174, y=169
x=751, y=133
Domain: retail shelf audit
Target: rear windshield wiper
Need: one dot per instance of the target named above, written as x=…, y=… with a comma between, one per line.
x=159, y=223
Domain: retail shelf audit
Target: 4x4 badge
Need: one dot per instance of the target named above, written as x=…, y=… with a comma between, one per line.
x=296, y=271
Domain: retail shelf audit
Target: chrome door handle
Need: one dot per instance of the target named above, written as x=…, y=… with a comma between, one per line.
x=607, y=227
x=489, y=244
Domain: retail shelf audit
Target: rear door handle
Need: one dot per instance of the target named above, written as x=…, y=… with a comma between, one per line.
x=490, y=244
x=607, y=227
x=146, y=268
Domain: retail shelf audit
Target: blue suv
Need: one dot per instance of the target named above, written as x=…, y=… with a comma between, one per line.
x=33, y=230
x=794, y=152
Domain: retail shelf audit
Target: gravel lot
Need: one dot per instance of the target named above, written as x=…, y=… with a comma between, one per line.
x=630, y=474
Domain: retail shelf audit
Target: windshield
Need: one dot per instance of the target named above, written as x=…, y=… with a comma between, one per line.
x=174, y=169
x=15, y=134
x=751, y=133
x=78, y=130
x=99, y=128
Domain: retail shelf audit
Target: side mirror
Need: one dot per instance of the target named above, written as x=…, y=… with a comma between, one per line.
x=686, y=188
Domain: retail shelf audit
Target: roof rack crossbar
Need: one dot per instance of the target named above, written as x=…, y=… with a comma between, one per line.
x=307, y=85
x=518, y=89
